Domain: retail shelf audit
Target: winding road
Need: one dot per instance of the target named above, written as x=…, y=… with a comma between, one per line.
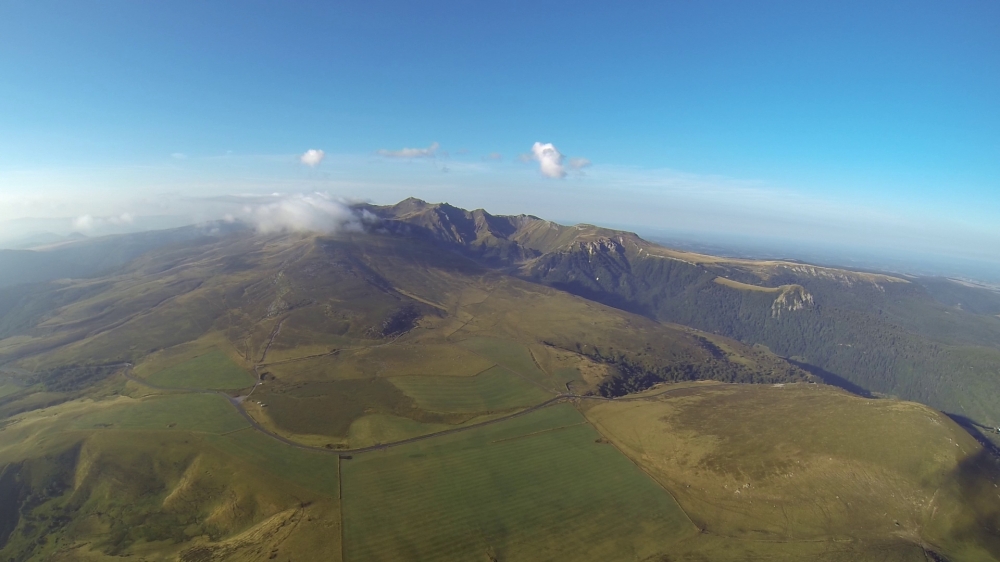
x=237, y=402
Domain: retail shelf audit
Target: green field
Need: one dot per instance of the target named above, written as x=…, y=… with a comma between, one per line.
x=194, y=412
x=510, y=354
x=8, y=389
x=213, y=370
x=494, y=389
x=316, y=470
x=329, y=408
x=383, y=428
x=535, y=488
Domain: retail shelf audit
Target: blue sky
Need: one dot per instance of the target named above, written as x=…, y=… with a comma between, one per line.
x=861, y=123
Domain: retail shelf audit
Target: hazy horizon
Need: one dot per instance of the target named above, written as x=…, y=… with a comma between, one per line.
x=861, y=130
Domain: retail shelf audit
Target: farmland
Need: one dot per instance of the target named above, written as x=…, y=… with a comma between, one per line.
x=535, y=488
x=213, y=370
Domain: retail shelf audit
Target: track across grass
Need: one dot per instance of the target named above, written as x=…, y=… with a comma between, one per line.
x=209, y=413
x=538, y=487
x=506, y=353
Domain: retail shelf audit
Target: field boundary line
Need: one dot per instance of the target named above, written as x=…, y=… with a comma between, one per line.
x=533, y=433
x=235, y=430
x=596, y=425
x=512, y=371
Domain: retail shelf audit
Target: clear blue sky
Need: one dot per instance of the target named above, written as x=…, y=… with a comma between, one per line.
x=866, y=122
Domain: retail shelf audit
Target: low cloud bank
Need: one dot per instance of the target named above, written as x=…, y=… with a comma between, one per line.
x=314, y=212
x=88, y=223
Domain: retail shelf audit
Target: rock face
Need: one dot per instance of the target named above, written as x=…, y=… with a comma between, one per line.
x=791, y=299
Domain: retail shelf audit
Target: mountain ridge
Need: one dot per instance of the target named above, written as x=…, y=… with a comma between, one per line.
x=885, y=333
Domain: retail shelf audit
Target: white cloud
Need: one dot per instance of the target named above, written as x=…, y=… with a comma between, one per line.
x=494, y=156
x=178, y=156
x=124, y=218
x=428, y=152
x=578, y=163
x=90, y=222
x=316, y=212
x=84, y=222
x=312, y=157
x=550, y=160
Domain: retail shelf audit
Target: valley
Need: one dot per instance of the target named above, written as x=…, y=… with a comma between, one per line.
x=454, y=385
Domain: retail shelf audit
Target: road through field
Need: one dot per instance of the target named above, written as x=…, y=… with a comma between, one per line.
x=237, y=402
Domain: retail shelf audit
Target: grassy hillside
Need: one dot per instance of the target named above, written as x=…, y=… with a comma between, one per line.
x=808, y=472
x=429, y=390
x=805, y=463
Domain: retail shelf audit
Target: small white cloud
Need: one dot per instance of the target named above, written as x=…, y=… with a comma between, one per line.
x=550, y=160
x=124, y=218
x=312, y=157
x=494, y=156
x=178, y=156
x=84, y=222
x=428, y=152
x=578, y=163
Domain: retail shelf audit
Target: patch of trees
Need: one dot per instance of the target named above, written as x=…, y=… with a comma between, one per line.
x=397, y=322
x=69, y=378
x=635, y=376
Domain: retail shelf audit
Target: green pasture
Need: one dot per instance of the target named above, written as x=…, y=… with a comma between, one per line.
x=510, y=354
x=329, y=408
x=383, y=428
x=316, y=470
x=494, y=389
x=7, y=389
x=540, y=487
x=213, y=370
x=207, y=413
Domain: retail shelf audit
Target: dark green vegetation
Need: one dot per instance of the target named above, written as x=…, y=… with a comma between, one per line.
x=456, y=367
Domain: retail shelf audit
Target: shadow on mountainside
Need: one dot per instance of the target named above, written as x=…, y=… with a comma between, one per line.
x=980, y=523
x=831, y=379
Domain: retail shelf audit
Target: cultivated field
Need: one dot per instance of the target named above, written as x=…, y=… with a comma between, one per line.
x=495, y=389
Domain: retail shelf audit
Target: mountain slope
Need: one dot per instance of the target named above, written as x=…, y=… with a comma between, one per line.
x=880, y=333
x=428, y=390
